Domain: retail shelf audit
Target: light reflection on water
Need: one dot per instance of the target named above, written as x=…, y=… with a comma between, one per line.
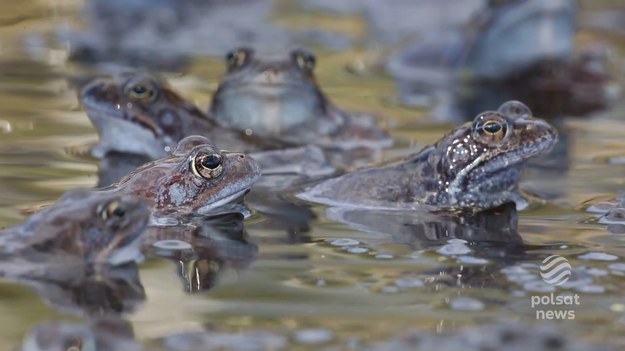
x=378, y=287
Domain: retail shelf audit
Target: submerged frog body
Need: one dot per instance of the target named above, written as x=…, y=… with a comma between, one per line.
x=281, y=98
x=138, y=114
x=477, y=166
x=196, y=179
x=97, y=228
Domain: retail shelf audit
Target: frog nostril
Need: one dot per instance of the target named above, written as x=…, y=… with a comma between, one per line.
x=270, y=73
x=241, y=157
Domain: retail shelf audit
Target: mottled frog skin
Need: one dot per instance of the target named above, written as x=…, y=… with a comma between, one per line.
x=477, y=166
x=98, y=228
x=195, y=179
x=138, y=113
x=280, y=98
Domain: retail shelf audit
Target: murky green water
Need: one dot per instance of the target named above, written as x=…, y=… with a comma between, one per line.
x=372, y=288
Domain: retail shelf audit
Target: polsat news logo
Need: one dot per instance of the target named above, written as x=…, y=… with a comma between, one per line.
x=555, y=270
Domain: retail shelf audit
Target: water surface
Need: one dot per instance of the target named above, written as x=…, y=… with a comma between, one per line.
x=339, y=282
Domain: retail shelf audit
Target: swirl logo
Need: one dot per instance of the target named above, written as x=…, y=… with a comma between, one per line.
x=555, y=270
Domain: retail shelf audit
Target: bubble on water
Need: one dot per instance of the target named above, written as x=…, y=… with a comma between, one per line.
x=617, y=307
x=454, y=249
x=409, y=283
x=313, y=336
x=617, y=267
x=357, y=250
x=597, y=272
x=538, y=286
x=344, y=242
x=514, y=270
x=164, y=221
x=593, y=288
x=529, y=265
x=384, y=256
x=522, y=278
x=578, y=281
x=172, y=245
x=518, y=293
x=598, y=256
x=472, y=260
x=457, y=241
x=249, y=132
x=466, y=304
x=389, y=289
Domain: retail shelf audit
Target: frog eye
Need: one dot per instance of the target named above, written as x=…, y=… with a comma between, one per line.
x=207, y=166
x=491, y=127
x=305, y=60
x=237, y=58
x=142, y=92
x=113, y=210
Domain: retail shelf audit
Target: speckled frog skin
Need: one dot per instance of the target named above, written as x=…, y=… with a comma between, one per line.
x=280, y=98
x=195, y=179
x=138, y=113
x=478, y=166
x=97, y=228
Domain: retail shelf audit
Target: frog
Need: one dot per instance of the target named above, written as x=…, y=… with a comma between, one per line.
x=523, y=50
x=476, y=166
x=83, y=226
x=280, y=98
x=196, y=179
x=140, y=115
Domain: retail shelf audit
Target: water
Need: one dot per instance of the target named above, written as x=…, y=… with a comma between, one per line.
x=339, y=286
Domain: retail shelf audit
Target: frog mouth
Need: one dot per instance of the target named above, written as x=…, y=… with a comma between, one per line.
x=125, y=132
x=128, y=251
x=222, y=202
x=267, y=89
x=542, y=145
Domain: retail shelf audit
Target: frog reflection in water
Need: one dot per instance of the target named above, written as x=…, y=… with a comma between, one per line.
x=196, y=178
x=281, y=99
x=477, y=166
x=93, y=227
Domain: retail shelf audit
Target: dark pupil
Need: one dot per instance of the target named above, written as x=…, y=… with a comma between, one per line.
x=139, y=89
x=211, y=161
x=119, y=212
x=492, y=127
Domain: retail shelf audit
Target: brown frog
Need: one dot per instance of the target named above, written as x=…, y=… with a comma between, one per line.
x=281, y=99
x=94, y=227
x=139, y=114
x=476, y=166
x=196, y=179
